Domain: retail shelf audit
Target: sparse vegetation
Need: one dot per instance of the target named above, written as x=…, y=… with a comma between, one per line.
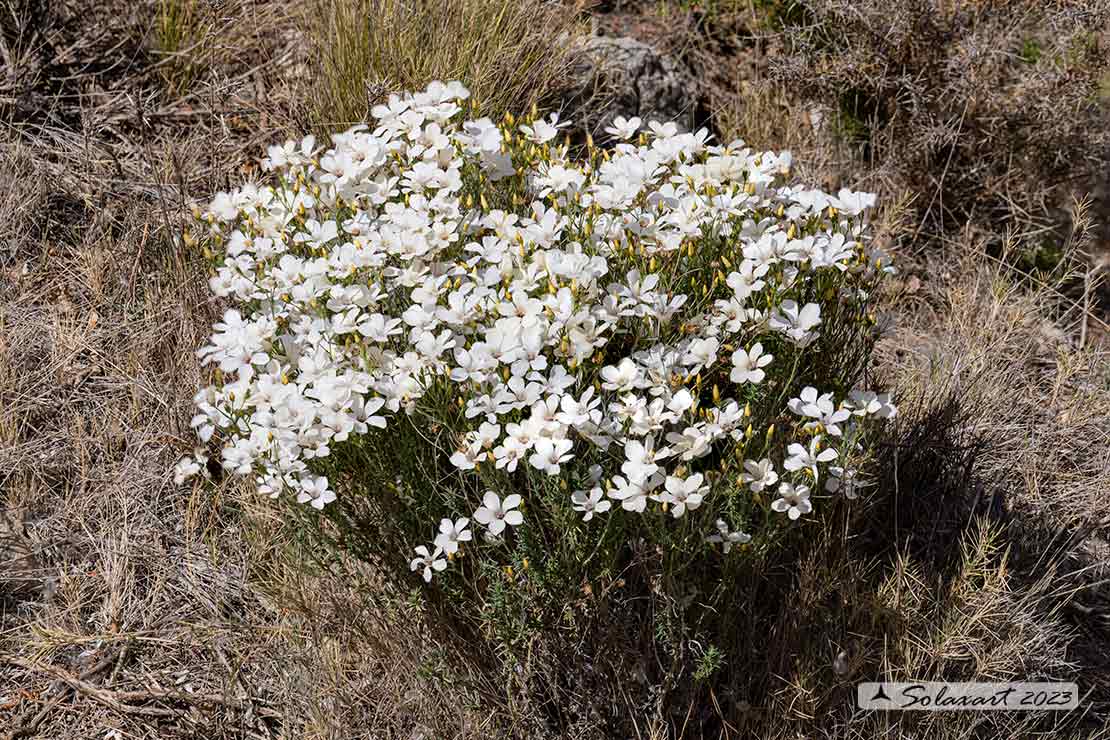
x=131, y=605
x=987, y=113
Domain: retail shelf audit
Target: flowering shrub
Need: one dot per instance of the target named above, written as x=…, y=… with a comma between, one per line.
x=505, y=351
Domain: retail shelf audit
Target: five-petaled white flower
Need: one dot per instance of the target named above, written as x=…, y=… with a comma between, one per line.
x=800, y=324
x=821, y=408
x=624, y=128
x=315, y=491
x=802, y=458
x=550, y=454
x=793, y=500
x=683, y=495
x=495, y=513
x=590, y=502
x=869, y=403
x=429, y=561
x=759, y=474
x=846, y=481
x=541, y=131
x=453, y=534
x=747, y=365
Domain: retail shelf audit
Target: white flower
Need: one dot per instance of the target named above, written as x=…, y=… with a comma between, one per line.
x=452, y=534
x=868, y=403
x=820, y=408
x=622, y=378
x=495, y=513
x=702, y=353
x=541, y=131
x=747, y=365
x=429, y=561
x=641, y=459
x=550, y=454
x=683, y=495
x=315, y=491
x=727, y=538
x=590, y=502
x=793, y=500
x=852, y=204
x=806, y=402
x=624, y=128
x=797, y=323
x=184, y=470
x=759, y=475
x=802, y=458
x=632, y=495
x=846, y=481
x=467, y=459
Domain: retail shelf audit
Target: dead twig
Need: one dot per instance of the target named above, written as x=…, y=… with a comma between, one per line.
x=134, y=702
x=60, y=690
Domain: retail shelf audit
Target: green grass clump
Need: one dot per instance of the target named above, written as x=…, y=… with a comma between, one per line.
x=509, y=53
x=181, y=36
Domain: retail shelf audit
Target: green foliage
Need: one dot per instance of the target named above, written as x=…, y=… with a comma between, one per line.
x=709, y=663
x=509, y=53
x=181, y=36
x=1031, y=51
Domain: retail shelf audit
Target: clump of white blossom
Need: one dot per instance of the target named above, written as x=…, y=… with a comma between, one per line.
x=608, y=319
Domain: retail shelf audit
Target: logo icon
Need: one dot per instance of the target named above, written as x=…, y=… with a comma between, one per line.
x=880, y=694
x=890, y=696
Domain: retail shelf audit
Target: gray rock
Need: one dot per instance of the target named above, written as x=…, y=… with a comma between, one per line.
x=620, y=76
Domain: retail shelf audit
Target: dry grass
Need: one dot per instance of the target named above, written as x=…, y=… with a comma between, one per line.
x=989, y=112
x=125, y=602
x=129, y=604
